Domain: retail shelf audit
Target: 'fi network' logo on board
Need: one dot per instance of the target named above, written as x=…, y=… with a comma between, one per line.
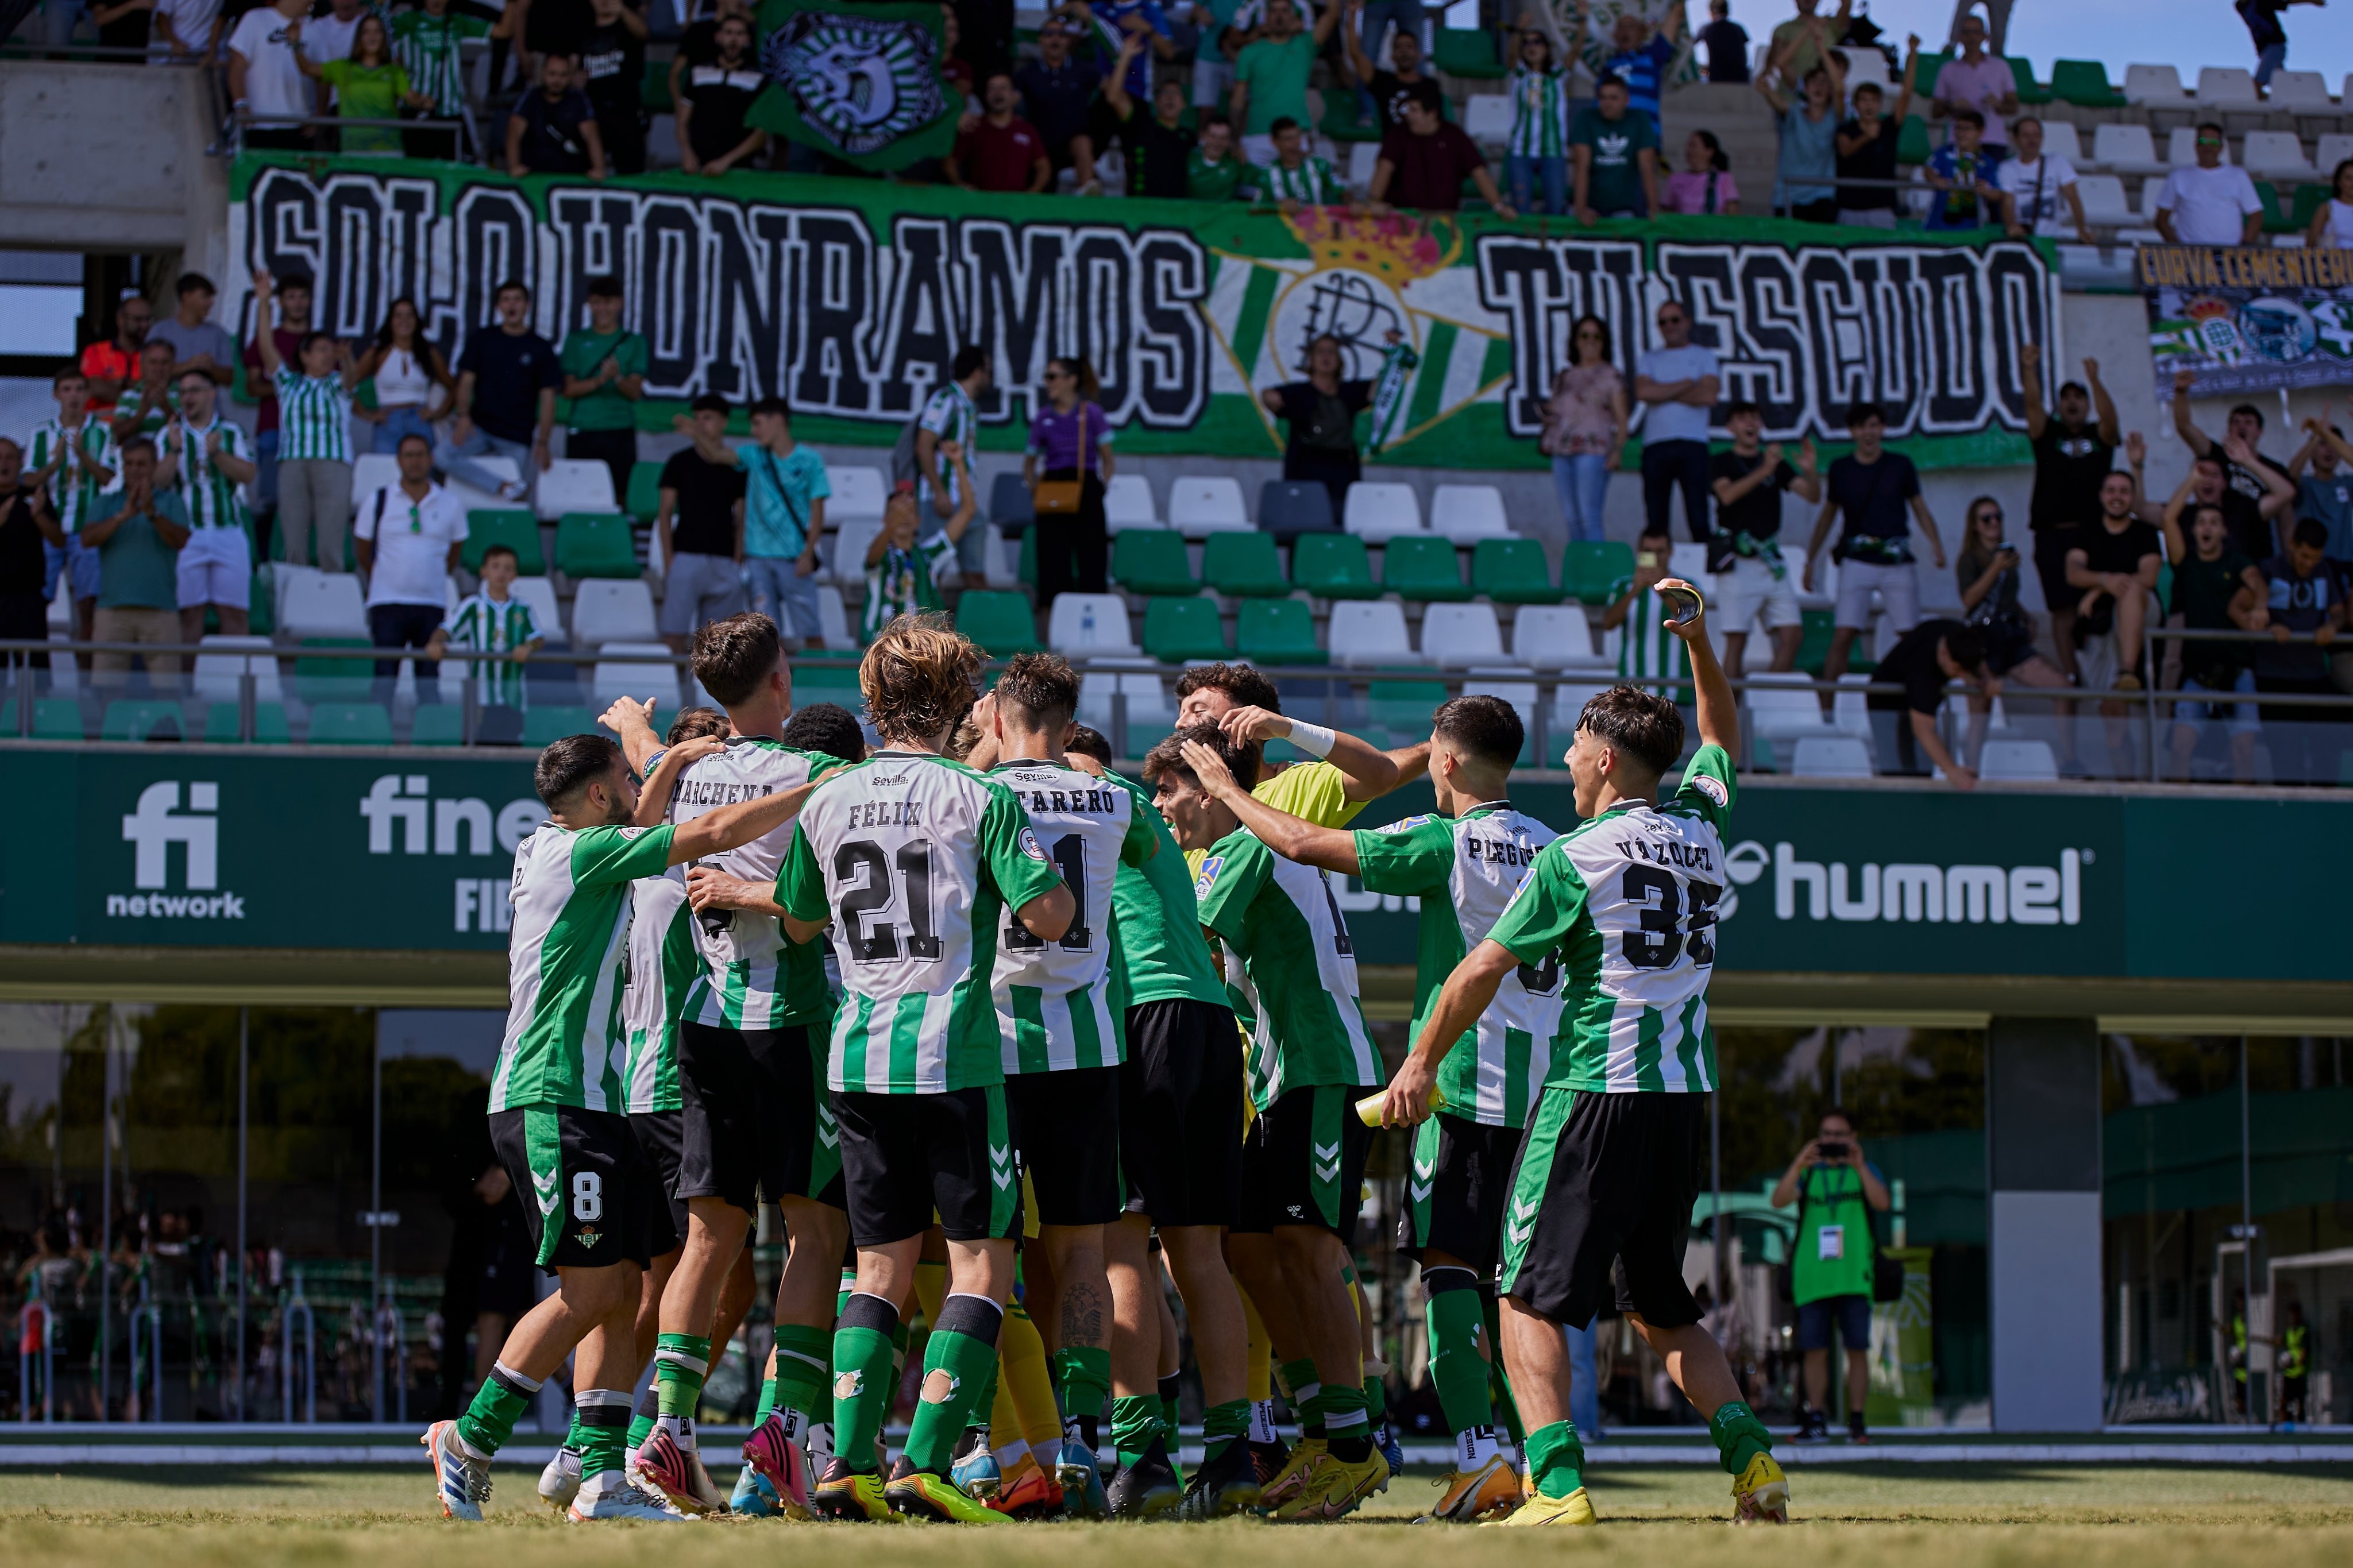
x=151, y=831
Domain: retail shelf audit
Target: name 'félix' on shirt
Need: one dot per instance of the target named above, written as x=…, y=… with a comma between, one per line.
x=1667, y=852
x=886, y=814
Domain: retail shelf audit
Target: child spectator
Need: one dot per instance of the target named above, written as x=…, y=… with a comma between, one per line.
x=1649, y=653
x=904, y=574
x=1962, y=173
x=1536, y=159
x=1805, y=175
x=784, y=487
x=1296, y=179
x=1866, y=148
x=604, y=376
x=205, y=459
x=2263, y=20
x=1704, y=185
x=314, y=452
x=491, y=621
x=70, y=459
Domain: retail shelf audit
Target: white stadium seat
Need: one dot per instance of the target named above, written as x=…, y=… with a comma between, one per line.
x=2059, y=140
x=1127, y=503
x=2276, y=155
x=2227, y=87
x=1830, y=757
x=638, y=670
x=1203, y=504
x=222, y=664
x=2026, y=762
x=1363, y=157
x=1148, y=707
x=1380, y=508
x=1865, y=65
x=2158, y=87
x=1368, y=632
x=857, y=492
x=1460, y=635
x=845, y=556
x=612, y=609
x=539, y=592
x=323, y=605
x=371, y=472
x=1553, y=637
x=1782, y=705
x=833, y=619
x=1487, y=116
x=504, y=468
x=2332, y=150
x=2103, y=197
x=1568, y=700
x=2126, y=150
x=1466, y=512
x=2301, y=92
x=1091, y=625
x=574, y=484
x=1524, y=696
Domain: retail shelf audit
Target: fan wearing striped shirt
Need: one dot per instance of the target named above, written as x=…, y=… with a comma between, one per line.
x=1296, y=177
x=314, y=437
x=208, y=460
x=1538, y=149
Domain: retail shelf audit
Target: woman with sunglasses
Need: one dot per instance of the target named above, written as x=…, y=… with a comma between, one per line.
x=1066, y=468
x=1986, y=572
x=1584, y=427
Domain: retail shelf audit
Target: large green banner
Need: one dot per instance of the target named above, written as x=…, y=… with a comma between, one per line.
x=861, y=83
x=189, y=847
x=850, y=298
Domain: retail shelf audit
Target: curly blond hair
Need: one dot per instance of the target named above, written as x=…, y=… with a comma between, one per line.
x=920, y=678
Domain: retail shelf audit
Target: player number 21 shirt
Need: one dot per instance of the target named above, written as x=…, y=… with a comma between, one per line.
x=917, y=860
x=1626, y=904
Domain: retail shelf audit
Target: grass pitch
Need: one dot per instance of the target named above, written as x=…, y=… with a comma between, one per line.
x=1976, y=1516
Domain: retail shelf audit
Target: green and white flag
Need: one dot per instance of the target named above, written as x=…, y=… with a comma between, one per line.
x=1398, y=366
x=863, y=84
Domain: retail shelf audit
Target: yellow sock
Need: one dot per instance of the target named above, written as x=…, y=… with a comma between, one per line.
x=931, y=1288
x=1259, y=1380
x=1023, y=1379
x=1004, y=1415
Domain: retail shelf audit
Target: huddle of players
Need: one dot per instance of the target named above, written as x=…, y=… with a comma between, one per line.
x=1030, y=1004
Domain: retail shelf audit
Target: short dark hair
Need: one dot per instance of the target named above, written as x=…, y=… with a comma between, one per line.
x=1839, y=1111
x=191, y=283
x=1862, y=411
x=990, y=78
x=424, y=441
x=1967, y=645
x=70, y=372
x=571, y=763
x=920, y=677
x=506, y=550
x=604, y=286
x=1168, y=756
x=1089, y=741
x=1215, y=117
x=709, y=403
x=695, y=722
x=1043, y=685
x=2251, y=411
x=828, y=727
x=311, y=337
x=1611, y=78
x=147, y=445
x=1282, y=123
x=1645, y=725
x=1246, y=686
x=2077, y=387
x=515, y=283
x=302, y=280
x=2308, y=530
x=776, y=405
x=733, y=657
x=1968, y=117
x=1870, y=86
x=2206, y=125
x=1487, y=727
x=969, y=358
x=1739, y=406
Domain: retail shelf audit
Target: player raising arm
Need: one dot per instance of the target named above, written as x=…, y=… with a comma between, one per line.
x=1625, y=905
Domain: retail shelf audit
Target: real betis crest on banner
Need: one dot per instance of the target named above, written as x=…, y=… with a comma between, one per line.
x=861, y=83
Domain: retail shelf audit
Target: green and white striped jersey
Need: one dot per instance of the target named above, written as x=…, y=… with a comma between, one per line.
x=1290, y=966
x=425, y=46
x=1646, y=648
x=1539, y=113
x=493, y=626
x=1161, y=954
x=917, y=859
x=949, y=414
x=1625, y=906
x=753, y=976
x=566, y=965
x=1055, y=1001
x=1465, y=871
x=1312, y=183
x=72, y=489
x=314, y=417
x=663, y=966
x=213, y=499
x=906, y=582
x=150, y=422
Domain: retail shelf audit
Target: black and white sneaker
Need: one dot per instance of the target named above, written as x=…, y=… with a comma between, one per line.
x=1812, y=1427
x=1229, y=1484
x=1145, y=1487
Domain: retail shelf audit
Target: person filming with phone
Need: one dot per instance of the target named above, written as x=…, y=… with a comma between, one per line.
x=1835, y=1190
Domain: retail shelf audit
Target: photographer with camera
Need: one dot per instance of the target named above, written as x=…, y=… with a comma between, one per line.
x=1835, y=1190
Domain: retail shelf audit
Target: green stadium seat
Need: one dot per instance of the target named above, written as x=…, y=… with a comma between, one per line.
x=654, y=91
x=1422, y=569
x=2085, y=84
x=2275, y=218
x=262, y=608
x=1152, y=560
x=1176, y=630
x=644, y=500
x=1594, y=571
x=1512, y=571
x=128, y=718
x=595, y=544
x=1467, y=52
x=1912, y=143
x=518, y=531
x=2309, y=199
x=1332, y=566
x=333, y=679
x=349, y=724
x=56, y=719
x=1401, y=709
x=270, y=728
x=1000, y=622
x=2021, y=70
x=1275, y=632
x=543, y=725
x=1244, y=565
x=438, y=724
x=1925, y=73
x=1342, y=120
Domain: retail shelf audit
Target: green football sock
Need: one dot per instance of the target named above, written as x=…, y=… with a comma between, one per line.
x=498, y=1405
x=1300, y=1390
x=802, y=1358
x=1135, y=1423
x=1082, y=1378
x=1556, y=1459
x=1739, y=1435
x=602, y=1419
x=1377, y=1398
x=1222, y=1424
x=962, y=1349
x=1457, y=1370
x=681, y=1363
x=574, y=1438
x=1345, y=1425
x=642, y=1424
x=767, y=1404
x=862, y=1384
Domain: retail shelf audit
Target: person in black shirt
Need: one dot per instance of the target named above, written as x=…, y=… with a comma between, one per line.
x=1158, y=143
x=1866, y=146
x=611, y=45
x=2303, y=595
x=2252, y=521
x=1745, y=550
x=2112, y=571
x=507, y=379
x=1922, y=661
x=1728, y=46
x=2244, y=469
x=1391, y=91
x=26, y=526
x=2215, y=588
x=2072, y=456
x=1059, y=98
x=699, y=526
x=712, y=104
x=1321, y=413
x=554, y=130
